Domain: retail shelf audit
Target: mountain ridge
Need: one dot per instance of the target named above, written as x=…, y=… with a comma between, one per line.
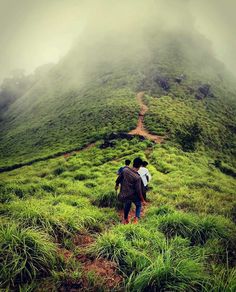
x=69, y=108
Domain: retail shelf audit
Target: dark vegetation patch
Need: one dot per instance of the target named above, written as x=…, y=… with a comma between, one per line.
x=224, y=168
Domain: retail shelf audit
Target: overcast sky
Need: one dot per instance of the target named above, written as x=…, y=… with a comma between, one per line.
x=35, y=32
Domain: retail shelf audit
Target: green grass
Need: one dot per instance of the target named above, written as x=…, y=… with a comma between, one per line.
x=25, y=253
x=186, y=240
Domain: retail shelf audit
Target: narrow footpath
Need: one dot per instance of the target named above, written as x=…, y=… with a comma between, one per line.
x=140, y=130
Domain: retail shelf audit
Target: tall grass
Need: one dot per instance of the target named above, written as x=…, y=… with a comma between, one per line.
x=169, y=274
x=197, y=229
x=153, y=255
x=25, y=253
x=61, y=216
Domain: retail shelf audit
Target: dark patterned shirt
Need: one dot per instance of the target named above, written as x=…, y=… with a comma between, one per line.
x=131, y=185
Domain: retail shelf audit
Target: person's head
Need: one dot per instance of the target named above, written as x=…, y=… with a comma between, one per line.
x=137, y=162
x=145, y=163
x=127, y=162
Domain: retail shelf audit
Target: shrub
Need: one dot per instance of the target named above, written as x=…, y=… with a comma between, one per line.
x=25, y=254
x=49, y=188
x=188, y=136
x=59, y=170
x=168, y=273
x=109, y=246
x=223, y=280
x=81, y=176
x=177, y=224
x=107, y=199
x=197, y=229
x=163, y=210
x=6, y=197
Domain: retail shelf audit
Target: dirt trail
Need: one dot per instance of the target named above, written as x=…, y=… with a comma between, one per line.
x=87, y=147
x=106, y=270
x=132, y=213
x=140, y=130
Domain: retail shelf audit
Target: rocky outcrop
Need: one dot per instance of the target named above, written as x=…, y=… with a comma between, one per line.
x=161, y=81
x=204, y=91
x=179, y=78
x=164, y=84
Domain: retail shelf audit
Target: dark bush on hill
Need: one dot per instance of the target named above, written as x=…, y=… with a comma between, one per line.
x=188, y=136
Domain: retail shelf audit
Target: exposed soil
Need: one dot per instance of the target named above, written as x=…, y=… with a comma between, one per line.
x=83, y=240
x=105, y=272
x=132, y=213
x=68, y=154
x=140, y=130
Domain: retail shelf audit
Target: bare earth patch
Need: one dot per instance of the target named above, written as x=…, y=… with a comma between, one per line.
x=140, y=130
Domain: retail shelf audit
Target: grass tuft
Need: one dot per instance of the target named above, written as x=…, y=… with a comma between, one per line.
x=25, y=253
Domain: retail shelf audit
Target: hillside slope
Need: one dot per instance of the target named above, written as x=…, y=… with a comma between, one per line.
x=91, y=92
x=59, y=216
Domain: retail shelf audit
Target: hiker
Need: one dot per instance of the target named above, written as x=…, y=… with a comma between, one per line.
x=146, y=177
x=127, y=163
x=131, y=190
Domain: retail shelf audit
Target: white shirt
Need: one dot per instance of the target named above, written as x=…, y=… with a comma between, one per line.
x=144, y=173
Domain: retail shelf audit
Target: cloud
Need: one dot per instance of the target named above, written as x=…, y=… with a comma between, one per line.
x=36, y=32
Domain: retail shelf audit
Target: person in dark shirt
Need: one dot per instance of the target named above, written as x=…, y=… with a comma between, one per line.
x=127, y=163
x=131, y=189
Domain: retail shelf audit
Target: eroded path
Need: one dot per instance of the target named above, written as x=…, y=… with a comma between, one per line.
x=140, y=130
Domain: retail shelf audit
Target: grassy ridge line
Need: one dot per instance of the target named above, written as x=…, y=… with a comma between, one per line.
x=55, y=155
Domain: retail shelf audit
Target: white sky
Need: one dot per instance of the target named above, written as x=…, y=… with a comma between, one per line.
x=35, y=32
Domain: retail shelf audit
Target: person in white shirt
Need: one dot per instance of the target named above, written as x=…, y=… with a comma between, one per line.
x=145, y=176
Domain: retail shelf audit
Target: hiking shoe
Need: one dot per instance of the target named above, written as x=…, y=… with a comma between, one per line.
x=135, y=221
x=126, y=221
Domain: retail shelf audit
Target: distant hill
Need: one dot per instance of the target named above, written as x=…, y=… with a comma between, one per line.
x=91, y=93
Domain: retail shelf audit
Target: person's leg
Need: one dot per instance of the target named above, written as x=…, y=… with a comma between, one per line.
x=138, y=205
x=127, y=206
x=145, y=193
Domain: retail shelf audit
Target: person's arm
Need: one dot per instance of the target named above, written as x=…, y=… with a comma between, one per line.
x=118, y=181
x=149, y=177
x=138, y=189
x=119, y=170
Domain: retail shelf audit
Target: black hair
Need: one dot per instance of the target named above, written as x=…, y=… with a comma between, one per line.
x=127, y=162
x=137, y=162
x=145, y=163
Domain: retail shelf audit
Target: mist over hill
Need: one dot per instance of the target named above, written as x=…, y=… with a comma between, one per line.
x=91, y=93
x=148, y=79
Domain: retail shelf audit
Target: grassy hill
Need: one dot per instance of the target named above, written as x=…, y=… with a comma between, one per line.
x=60, y=220
x=86, y=96
x=57, y=216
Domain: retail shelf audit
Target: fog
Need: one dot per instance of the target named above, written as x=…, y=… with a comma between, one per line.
x=35, y=32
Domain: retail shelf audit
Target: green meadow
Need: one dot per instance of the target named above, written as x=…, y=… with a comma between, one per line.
x=60, y=221
x=184, y=242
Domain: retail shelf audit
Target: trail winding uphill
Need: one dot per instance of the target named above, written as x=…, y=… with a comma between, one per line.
x=140, y=130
